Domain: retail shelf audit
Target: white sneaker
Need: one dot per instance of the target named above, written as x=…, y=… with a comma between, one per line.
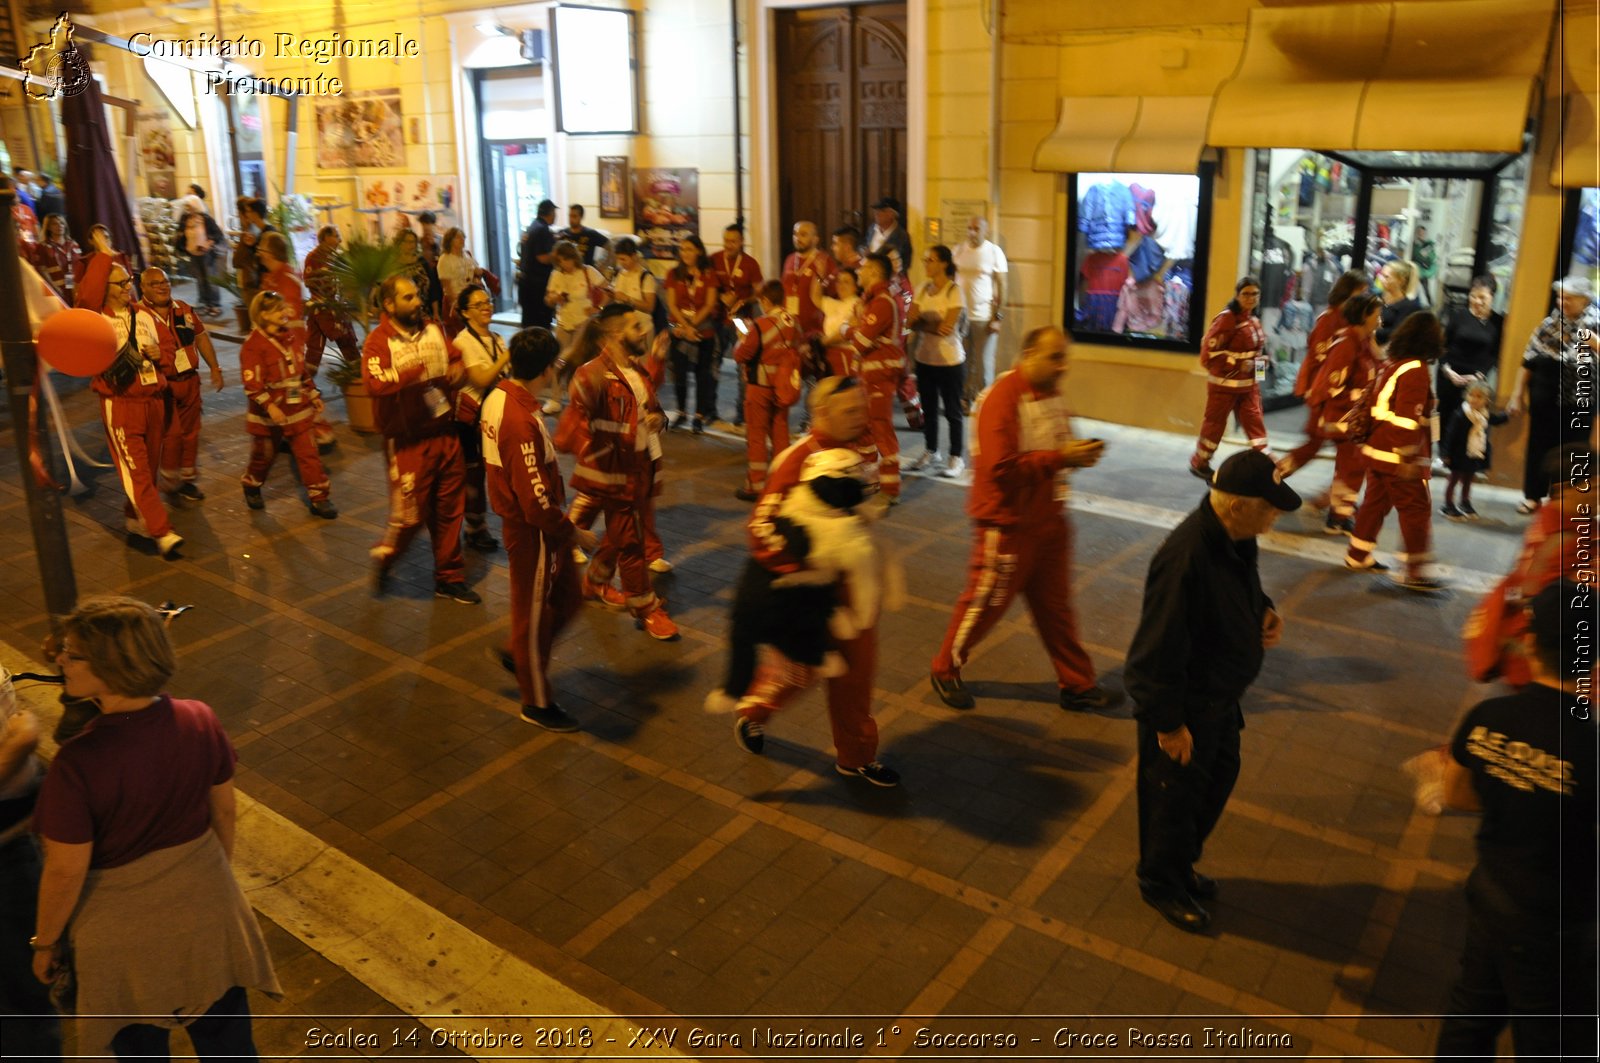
x=955, y=468
x=135, y=526
x=552, y=406
x=661, y=564
x=169, y=543
x=927, y=458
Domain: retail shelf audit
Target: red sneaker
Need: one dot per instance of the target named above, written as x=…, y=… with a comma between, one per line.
x=604, y=594
x=658, y=625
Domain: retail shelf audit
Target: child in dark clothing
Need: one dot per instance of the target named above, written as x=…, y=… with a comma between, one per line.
x=1466, y=447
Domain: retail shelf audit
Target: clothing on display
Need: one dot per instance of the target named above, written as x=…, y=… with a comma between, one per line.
x=1105, y=215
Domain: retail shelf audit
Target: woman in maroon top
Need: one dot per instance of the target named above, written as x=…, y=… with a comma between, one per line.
x=54, y=255
x=137, y=816
x=692, y=309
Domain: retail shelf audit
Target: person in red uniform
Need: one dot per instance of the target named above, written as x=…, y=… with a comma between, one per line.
x=692, y=307
x=272, y=251
x=284, y=402
x=1021, y=455
x=183, y=342
x=838, y=408
x=53, y=255
x=412, y=371
x=133, y=398
x=325, y=322
x=807, y=263
x=1327, y=326
x=875, y=339
x=615, y=427
x=1338, y=398
x=1399, y=454
x=524, y=486
x=769, y=357
x=1232, y=356
x=845, y=245
x=738, y=279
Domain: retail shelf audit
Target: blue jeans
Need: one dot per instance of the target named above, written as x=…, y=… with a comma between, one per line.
x=223, y=1032
x=200, y=267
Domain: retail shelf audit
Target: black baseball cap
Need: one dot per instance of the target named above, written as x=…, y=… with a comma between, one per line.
x=1251, y=474
x=887, y=203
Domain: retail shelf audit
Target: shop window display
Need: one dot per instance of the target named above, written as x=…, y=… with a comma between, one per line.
x=1133, y=247
x=1302, y=238
x=1583, y=256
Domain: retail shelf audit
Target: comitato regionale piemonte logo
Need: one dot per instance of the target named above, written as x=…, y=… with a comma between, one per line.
x=58, y=62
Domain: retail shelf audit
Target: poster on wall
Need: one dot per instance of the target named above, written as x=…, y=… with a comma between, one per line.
x=365, y=129
x=394, y=202
x=666, y=208
x=157, y=155
x=613, y=186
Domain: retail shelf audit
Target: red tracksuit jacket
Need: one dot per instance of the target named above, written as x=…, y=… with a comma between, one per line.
x=1229, y=349
x=399, y=369
x=276, y=374
x=1019, y=477
x=1402, y=405
x=519, y=461
x=876, y=341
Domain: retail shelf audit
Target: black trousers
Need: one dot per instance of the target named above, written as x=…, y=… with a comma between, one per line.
x=700, y=357
x=941, y=385
x=1179, y=804
x=222, y=1033
x=1535, y=974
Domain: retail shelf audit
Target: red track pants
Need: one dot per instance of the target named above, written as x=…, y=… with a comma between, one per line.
x=1412, y=500
x=133, y=429
x=180, y=443
x=855, y=732
x=766, y=432
x=427, y=486
x=880, y=418
x=544, y=598
x=1243, y=403
x=303, y=445
x=1038, y=560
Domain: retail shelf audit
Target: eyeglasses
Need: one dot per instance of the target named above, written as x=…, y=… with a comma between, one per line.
x=121, y=283
x=480, y=306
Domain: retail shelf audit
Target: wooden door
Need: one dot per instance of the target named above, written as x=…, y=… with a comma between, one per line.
x=841, y=113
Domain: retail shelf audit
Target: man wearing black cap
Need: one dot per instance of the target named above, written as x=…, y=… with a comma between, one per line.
x=888, y=236
x=1203, y=630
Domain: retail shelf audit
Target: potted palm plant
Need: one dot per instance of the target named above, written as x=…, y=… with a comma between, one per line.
x=356, y=270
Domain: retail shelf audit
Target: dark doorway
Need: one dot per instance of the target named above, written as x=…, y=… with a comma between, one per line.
x=841, y=113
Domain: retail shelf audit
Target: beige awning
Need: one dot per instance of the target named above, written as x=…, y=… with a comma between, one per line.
x=1125, y=134
x=1577, y=158
x=1424, y=75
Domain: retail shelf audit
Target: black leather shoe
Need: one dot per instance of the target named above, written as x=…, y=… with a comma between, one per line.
x=1181, y=911
x=1202, y=887
x=1095, y=699
x=953, y=692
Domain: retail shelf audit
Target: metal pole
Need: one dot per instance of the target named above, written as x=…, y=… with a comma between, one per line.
x=738, y=131
x=21, y=365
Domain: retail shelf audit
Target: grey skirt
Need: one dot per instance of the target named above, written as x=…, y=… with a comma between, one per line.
x=159, y=940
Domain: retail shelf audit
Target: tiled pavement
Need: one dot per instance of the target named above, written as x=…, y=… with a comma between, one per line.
x=649, y=864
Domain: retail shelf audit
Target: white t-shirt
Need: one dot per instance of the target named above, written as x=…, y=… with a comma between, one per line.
x=455, y=273
x=575, y=286
x=632, y=288
x=474, y=355
x=932, y=348
x=974, y=266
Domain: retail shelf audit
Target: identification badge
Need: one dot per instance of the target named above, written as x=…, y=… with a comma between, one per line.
x=438, y=405
x=792, y=305
x=147, y=374
x=291, y=394
x=1261, y=369
x=181, y=361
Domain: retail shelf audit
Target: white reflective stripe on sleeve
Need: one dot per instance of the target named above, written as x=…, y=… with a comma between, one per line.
x=490, y=418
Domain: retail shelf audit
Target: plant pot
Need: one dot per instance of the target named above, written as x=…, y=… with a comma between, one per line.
x=359, y=409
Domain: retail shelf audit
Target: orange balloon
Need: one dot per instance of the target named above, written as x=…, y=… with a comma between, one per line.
x=79, y=342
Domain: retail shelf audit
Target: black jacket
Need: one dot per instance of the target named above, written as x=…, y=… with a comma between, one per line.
x=1198, y=646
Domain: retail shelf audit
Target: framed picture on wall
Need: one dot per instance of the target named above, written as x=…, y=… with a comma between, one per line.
x=613, y=186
